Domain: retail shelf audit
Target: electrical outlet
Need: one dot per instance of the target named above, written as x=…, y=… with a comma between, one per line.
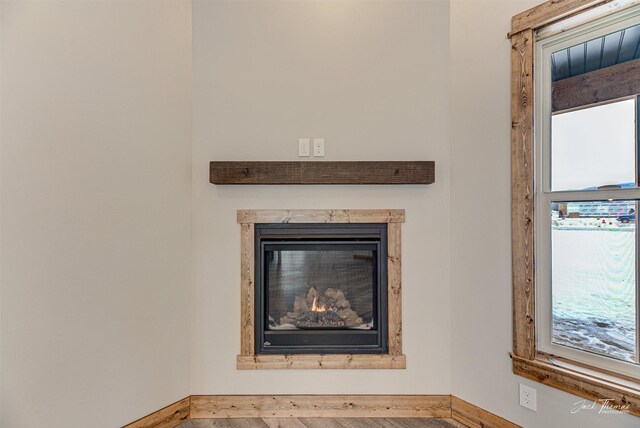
x=318, y=147
x=303, y=147
x=528, y=397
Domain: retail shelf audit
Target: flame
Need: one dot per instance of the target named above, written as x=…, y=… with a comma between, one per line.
x=315, y=307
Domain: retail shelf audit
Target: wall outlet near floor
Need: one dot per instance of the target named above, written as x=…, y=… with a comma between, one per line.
x=528, y=397
x=318, y=147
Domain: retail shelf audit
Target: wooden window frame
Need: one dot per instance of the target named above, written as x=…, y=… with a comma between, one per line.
x=585, y=381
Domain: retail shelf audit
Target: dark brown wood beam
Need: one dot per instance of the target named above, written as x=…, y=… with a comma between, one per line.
x=617, y=81
x=322, y=172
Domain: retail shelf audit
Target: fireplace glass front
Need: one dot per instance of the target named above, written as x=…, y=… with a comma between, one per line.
x=321, y=288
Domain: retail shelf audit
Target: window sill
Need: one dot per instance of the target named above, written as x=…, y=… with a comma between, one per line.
x=613, y=392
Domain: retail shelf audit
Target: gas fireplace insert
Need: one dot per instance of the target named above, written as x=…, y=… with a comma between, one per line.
x=321, y=288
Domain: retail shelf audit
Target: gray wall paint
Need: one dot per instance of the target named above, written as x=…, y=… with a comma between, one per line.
x=481, y=245
x=96, y=194
x=372, y=79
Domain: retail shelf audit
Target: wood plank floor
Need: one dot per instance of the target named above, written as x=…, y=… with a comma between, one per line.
x=322, y=423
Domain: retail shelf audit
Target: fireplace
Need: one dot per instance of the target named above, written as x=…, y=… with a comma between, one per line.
x=321, y=288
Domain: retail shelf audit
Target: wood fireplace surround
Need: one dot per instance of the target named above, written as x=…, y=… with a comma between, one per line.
x=391, y=356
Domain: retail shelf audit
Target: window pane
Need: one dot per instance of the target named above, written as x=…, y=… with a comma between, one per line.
x=594, y=277
x=594, y=147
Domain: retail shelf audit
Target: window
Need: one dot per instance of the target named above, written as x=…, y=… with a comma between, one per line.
x=576, y=192
x=586, y=153
x=594, y=146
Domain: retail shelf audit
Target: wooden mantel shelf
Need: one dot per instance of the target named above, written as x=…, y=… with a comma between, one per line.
x=322, y=172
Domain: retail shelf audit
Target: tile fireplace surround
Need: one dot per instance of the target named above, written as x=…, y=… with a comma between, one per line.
x=249, y=360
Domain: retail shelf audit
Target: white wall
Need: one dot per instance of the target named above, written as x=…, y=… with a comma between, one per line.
x=481, y=245
x=372, y=79
x=96, y=194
